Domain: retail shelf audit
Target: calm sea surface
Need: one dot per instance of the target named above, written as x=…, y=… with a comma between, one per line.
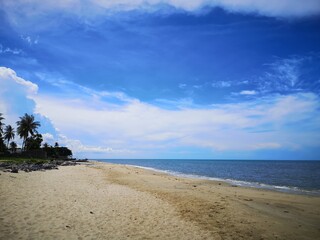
x=289, y=176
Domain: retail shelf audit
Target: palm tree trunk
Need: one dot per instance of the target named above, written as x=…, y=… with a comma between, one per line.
x=23, y=145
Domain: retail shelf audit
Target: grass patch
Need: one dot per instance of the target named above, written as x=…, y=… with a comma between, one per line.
x=18, y=160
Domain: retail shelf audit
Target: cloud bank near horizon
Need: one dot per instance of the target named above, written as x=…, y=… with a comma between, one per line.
x=132, y=128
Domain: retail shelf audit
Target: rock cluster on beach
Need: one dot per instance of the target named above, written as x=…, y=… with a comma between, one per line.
x=29, y=167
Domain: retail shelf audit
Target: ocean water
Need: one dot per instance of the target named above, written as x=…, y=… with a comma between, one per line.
x=288, y=176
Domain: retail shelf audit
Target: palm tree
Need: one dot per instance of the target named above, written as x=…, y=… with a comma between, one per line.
x=13, y=147
x=27, y=125
x=1, y=123
x=8, y=134
x=2, y=146
x=45, y=145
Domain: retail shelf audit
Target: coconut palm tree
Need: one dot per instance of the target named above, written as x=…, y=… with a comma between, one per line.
x=27, y=125
x=8, y=134
x=45, y=145
x=1, y=123
x=13, y=147
x=2, y=146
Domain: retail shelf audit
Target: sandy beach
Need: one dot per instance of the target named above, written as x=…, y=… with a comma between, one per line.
x=107, y=201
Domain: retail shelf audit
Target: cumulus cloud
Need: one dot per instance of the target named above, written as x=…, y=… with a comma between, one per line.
x=133, y=128
x=15, y=95
x=20, y=9
x=16, y=98
x=138, y=125
x=48, y=138
x=8, y=77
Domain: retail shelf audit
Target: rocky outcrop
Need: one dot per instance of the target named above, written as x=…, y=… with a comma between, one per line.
x=29, y=167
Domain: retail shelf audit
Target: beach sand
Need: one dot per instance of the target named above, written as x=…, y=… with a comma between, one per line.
x=107, y=201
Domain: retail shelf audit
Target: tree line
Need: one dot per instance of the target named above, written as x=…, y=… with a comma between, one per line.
x=31, y=138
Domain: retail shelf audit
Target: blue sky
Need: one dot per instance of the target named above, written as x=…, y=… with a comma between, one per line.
x=166, y=79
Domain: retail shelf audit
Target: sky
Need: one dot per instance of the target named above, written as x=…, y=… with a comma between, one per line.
x=177, y=79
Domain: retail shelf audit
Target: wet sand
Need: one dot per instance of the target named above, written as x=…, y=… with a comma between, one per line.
x=107, y=201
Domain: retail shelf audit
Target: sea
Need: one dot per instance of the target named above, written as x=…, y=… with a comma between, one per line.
x=301, y=177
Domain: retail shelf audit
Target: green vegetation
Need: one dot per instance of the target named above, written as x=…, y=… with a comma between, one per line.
x=9, y=134
x=31, y=149
x=27, y=126
x=19, y=160
x=2, y=145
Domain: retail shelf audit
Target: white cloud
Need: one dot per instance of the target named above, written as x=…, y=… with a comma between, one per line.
x=78, y=147
x=14, y=51
x=275, y=8
x=9, y=77
x=70, y=87
x=48, y=138
x=132, y=128
x=20, y=10
x=267, y=145
x=286, y=75
x=221, y=84
x=15, y=95
x=182, y=85
x=139, y=125
x=248, y=92
x=30, y=40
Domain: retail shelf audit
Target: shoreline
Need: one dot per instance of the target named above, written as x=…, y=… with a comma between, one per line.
x=110, y=201
x=238, y=183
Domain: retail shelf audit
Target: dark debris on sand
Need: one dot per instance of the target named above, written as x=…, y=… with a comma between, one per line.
x=39, y=166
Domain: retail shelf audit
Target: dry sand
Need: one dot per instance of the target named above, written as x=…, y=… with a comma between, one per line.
x=106, y=201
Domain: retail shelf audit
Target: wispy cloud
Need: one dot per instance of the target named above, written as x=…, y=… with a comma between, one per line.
x=248, y=92
x=78, y=147
x=137, y=125
x=21, y=10
x=14, y=51
x=182, y=85
x=286, y=74
x=222, y=84
x=30, y=40
x=134, y=127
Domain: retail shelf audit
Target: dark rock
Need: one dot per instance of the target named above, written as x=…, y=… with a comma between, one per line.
x=68, y=163
x=29, y=167
x=5, y=165
x=48, y=166
x=81, y=160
